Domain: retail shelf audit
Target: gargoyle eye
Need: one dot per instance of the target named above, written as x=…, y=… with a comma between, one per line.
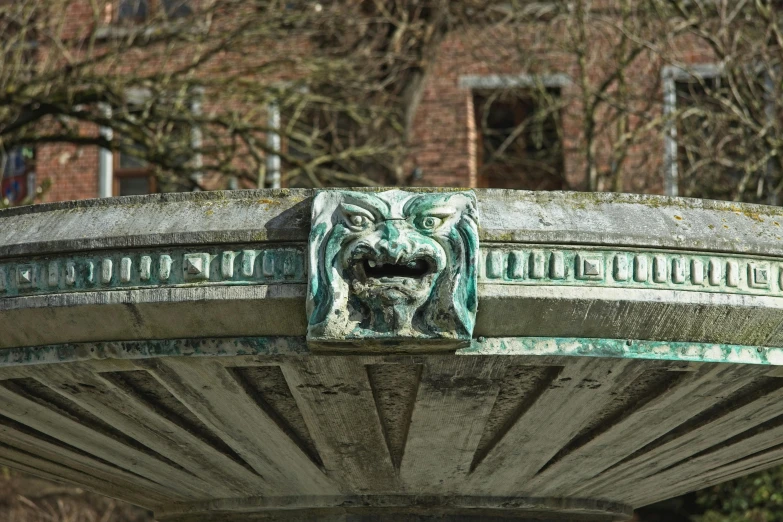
x=358, y=221
x=429, y=223
x=356, y=218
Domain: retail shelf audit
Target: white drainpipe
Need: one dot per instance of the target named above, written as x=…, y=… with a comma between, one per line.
x=273, y=142
x=106, y=165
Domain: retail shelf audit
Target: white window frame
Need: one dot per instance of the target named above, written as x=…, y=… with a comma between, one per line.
x=670, y=75
x=137, y=96
x=511, y=81
x=473, y=83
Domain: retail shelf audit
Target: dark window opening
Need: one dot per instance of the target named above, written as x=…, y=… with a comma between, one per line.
x=322, y=140
x=162, y=164
x=133, y=175
x=177, y=8
x=134, y=185
x=17, y=175
x=133, y=10
x=519, y=139
x=711, y=145
x=137, y=11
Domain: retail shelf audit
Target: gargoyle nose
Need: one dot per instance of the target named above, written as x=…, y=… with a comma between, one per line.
x=391, y=244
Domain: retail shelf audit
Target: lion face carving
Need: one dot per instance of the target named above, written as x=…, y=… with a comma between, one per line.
x=393, y=266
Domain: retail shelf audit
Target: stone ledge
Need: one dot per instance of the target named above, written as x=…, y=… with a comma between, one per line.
x=505, y=310
x=555, y=218
x=548, y=350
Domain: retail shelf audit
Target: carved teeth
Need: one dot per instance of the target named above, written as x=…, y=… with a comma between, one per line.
x=371, y=263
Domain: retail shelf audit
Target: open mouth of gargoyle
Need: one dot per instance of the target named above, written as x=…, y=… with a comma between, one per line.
x=415, y=269
x=411, y=270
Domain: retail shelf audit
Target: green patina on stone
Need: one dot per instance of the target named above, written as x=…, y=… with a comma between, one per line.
x=393, y=266
x=131, y=269
x=557, y=265
x=151, y=349
x=627, y=349
x=685, y=352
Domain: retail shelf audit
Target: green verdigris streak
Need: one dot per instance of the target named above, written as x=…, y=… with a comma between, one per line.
x=627, y=349
x=151, y=349
x=297, y=347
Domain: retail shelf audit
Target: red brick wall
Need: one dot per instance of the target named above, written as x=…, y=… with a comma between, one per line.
x=445, y=135
x=72, y=170
x=445, y=139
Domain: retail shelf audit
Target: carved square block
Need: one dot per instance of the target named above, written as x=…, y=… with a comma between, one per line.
x=195, y=267
x=759, y=275
x=25, y=276
x=590, y=266
x=393, y=270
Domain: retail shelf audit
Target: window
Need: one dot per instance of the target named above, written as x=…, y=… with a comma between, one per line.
x=177, y=8
x=682, y=89
x=133, y=176
x=312, y=133
x=710, y=152
x=17, y=174
x=135, y=11
x=519, y=141
x=174, y=142
x=329, y=136
x=700, y=129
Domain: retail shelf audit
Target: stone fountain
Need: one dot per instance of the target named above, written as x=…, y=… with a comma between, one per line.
x=391, y=355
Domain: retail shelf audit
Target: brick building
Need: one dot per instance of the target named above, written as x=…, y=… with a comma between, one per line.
x=487, y=81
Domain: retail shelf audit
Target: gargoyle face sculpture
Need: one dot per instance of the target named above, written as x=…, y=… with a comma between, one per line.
x=393, y=265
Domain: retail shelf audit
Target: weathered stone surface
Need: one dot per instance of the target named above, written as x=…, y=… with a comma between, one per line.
x=630, y=220
x=626, y=349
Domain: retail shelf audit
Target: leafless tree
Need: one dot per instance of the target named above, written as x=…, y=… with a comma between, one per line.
x=191, y=92
x=705, y=74
x=730, y=129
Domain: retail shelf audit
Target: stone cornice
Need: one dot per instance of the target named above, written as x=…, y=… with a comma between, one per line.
x=550, y=264
x=555, y=218
x=501, y=263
